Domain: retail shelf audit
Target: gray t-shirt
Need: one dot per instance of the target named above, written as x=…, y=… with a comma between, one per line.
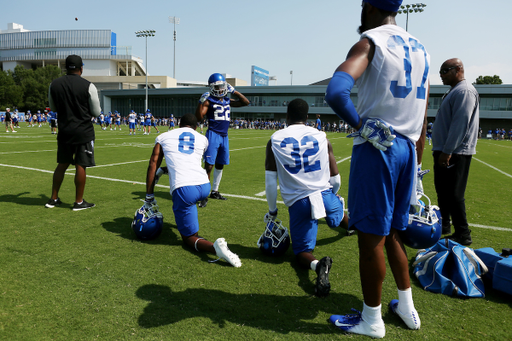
x=455, y=129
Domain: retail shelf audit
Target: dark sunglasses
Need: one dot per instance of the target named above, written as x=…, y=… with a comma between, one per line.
x=445, y=70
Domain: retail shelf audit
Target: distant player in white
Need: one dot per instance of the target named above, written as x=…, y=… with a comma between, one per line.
x=303, y=160
x=132, y=119
x=183, y=150
x=391, y=69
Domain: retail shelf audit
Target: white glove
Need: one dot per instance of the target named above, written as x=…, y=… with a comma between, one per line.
x=419, y=180
x=377, y=132
x=230, y=89
x=270, y=216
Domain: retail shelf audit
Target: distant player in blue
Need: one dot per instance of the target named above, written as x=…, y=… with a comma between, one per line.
x=429, y=133
x=108, y=120
x=171, y=122
x=216, y=106
x=318, y=124
x=147, y=122
x=117, y=117
x=52, y=117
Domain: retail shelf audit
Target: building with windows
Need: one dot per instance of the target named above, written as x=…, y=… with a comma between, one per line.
x=270, y=102
x=107, y=65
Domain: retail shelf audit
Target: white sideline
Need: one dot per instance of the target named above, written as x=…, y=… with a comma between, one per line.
x=224, y=194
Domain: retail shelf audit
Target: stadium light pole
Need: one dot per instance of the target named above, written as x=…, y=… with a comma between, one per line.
x=414, y=8
x=146, y=34
x=291, y=77
x=175, y=21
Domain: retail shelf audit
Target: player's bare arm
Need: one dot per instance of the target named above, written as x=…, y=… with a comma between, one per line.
x=201, y=110
x=420, y=144
x=333, y=166
x=270, y=160
x=242, y=101
x=358, y=58
x=154, y=163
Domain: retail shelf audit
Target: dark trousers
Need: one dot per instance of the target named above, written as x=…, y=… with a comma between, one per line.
x=450, y=186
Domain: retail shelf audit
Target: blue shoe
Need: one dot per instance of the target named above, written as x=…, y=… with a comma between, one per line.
x=412, y=320
x=354, y=323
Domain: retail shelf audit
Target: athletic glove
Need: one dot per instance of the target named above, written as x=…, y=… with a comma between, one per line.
x=377, y=132
x=419, y=180
x=231, y=89
x=270, y=216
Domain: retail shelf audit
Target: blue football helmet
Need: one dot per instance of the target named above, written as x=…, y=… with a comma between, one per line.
x=275, y=240
x=424, y=228
x=148, y=222
x=218, y=85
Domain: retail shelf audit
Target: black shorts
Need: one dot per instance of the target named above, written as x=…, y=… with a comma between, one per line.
x=76, y=154
x=53, y=124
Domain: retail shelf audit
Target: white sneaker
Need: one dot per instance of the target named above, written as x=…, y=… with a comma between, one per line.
x=411, y=319
x=14, y=131
x=354, y=323
x=222, y=251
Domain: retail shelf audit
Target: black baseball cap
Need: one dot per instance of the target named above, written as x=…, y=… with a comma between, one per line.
x=74, y=62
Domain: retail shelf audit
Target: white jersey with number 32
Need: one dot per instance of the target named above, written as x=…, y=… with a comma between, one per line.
x=302, y=161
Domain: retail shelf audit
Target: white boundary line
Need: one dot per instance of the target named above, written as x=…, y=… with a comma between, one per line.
x=488, y=165
x=227, y=195
x=121, y=163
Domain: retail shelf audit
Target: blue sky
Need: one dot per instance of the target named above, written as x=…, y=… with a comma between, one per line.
x=309, y=37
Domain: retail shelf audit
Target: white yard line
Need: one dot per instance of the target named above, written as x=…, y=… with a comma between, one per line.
x=496, y=169
x=226, y=195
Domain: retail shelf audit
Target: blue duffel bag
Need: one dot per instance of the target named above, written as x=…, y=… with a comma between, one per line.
x=450, y=268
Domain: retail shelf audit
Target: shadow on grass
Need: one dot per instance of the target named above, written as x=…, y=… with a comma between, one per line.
x=281, y=314
x=22, y=199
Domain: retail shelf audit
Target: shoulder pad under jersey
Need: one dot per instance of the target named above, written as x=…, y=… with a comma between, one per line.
x=204, y=97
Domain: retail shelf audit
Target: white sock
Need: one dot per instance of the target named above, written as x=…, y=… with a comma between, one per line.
x=313, y=264
x=217, y=175
x=405, y=302
x=372, y=315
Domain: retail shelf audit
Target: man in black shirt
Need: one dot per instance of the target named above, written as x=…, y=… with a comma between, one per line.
x=76, y=100
x=8, y=121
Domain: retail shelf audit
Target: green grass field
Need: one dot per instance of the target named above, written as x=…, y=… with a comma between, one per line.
x=83, y=275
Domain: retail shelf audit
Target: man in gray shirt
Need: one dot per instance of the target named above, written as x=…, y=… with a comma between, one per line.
x=454, y=138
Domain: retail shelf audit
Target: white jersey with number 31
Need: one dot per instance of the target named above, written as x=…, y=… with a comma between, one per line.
x=394, y=86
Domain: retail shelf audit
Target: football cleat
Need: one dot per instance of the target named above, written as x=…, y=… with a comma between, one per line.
x=275, y=241
x=425, y=226
x=203, y=202
x=323, y=267
x=354, y=323
x=218, y=85
x=148, y=221
x=412, y=320
x=217, y=195
x=222, y=251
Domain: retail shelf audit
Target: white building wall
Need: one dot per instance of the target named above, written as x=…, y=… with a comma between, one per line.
x=98, y=67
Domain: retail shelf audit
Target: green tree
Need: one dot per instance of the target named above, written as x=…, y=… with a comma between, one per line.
x=488, y=80
x=35, y=84
x=11, y=94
